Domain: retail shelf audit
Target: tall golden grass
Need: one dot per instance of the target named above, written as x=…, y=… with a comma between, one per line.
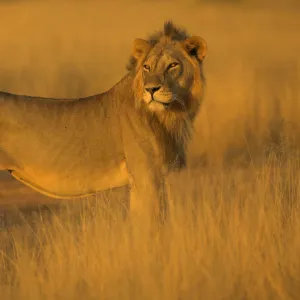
x=233, y=231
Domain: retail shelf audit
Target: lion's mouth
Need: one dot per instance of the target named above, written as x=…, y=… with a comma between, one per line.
x=165, y=104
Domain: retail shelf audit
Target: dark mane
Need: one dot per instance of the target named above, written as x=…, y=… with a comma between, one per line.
x=170, y=31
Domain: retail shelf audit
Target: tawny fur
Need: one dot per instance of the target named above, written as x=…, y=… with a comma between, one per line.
x=77, y=147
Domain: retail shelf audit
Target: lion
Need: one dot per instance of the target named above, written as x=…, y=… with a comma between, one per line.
x=131, y=135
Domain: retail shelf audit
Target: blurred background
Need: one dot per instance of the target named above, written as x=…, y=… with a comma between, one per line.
x=234, y=209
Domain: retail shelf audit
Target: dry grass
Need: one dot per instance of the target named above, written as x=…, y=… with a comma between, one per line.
x=231, y=235
x=233, y=232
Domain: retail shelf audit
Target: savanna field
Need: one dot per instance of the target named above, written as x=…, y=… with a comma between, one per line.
x=234, y=226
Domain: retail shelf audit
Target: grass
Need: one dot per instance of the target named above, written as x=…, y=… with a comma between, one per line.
x=233, y=231
x=236, y=237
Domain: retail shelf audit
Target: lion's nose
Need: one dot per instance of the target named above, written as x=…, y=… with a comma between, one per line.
x=152, y=90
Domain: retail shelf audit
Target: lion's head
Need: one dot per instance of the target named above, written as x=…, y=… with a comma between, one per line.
x=167, y=69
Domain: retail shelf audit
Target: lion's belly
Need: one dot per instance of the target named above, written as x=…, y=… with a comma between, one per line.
x=76, y=185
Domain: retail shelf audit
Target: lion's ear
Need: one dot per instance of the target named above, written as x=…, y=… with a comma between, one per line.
x=195, y=46
x=140, y=48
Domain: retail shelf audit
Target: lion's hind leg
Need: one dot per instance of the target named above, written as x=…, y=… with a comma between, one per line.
x=6, y=163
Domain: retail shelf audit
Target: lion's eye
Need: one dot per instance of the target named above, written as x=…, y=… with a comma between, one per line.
x=173, y=65
x=147, y=68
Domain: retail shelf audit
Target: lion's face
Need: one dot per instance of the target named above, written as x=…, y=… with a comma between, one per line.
x=169, y=78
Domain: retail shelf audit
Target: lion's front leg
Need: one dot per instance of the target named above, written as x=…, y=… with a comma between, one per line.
x=145, y=166
x=148, y=197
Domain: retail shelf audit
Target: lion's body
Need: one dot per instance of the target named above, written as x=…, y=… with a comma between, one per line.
x=64, y=148
x=73, y=148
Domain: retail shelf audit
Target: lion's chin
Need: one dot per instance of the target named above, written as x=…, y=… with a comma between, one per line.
x=158, y=106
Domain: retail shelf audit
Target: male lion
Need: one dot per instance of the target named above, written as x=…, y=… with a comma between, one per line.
x=132, y=134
